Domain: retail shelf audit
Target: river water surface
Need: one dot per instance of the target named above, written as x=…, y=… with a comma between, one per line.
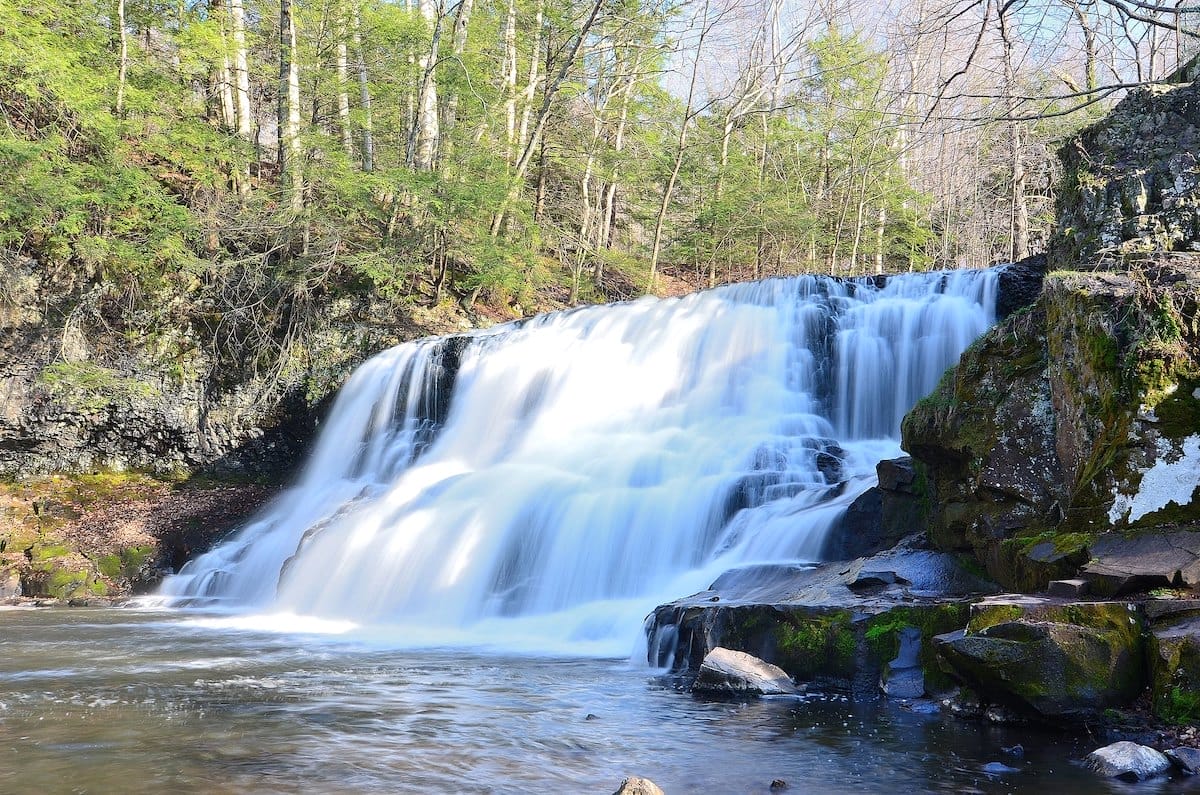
x=133, y=701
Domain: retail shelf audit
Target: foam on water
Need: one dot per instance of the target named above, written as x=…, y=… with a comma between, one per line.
x=543, y=485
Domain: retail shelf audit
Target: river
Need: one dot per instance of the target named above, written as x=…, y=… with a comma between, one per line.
x=133, y=701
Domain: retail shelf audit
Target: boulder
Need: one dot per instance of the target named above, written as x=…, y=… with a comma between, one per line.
x=1020, y=284
x=735, y=672
x=10, y=584
x=1069, y=589
x=636, y=785
x=881, y=516
x=1049, y=657
x=1128, y=761
x=1186, y=759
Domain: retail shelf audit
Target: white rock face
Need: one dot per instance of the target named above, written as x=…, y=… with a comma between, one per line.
x=728, y=671
x=1172, y=479
x=1128, y=761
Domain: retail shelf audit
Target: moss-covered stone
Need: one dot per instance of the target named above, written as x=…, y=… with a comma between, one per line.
x=1048, y=657
x=1175, y=669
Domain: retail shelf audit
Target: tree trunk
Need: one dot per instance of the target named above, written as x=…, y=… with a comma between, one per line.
x=123, y=64
x=539, y=127
x=224, y=74
x=458, y=45
x=423, y=140
x=241, y=70
x=289, y=107
x=342, y=68
x=364, y=90
x=680, y=146
x=531, y=86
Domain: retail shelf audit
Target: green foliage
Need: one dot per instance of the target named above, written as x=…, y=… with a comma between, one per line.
x=1180, y=706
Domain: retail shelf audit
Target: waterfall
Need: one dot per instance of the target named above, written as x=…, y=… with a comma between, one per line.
x=553, y=480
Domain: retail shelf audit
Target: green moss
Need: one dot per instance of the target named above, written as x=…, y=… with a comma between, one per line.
x=42, y=552
x=986, y=615
x=817, y=645
x=63, y=583
x=1178, y=412
x=125, y=564
x=86, y=387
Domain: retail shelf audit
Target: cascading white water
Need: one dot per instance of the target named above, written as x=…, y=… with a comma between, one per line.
x=546, y=484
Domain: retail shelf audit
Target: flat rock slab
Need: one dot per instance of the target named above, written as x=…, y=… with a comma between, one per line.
x=737, y=673
x=1069, y=589
x=1168, y=609
x=1122, y=564
x=1128, y=761
x=881, y=581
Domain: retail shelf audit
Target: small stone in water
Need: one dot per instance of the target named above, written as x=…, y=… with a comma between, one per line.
x=636, y=785
x=1128, y=761
x=589, y=716
x=1015, y=751
x=996, y=768
x=778, y=784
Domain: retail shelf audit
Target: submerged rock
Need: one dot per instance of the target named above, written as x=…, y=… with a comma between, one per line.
x=734, y=672
x=636, y=785
x=1128, y=761
x=903, y=676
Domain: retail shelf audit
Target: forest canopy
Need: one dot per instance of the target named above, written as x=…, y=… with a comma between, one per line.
x=240, y=156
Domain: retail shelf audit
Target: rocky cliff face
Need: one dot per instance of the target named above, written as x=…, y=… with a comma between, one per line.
x=1082, y=414
x=79, y=394
x=1077, y=416
x=1131, y=182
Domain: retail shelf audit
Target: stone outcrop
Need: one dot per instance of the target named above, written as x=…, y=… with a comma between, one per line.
x=1122, y=564
x=1078, y=416
x=881, y=516
x=77, y=396
x=728, y=672
x=1131, y=182
x=1175, y=666
x=813, y=625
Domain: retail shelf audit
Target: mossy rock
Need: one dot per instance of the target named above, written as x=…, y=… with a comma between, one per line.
x=809, y=643
x=127, y=564
x=1175, y=670
x=1027, y=563
x=1050, y=658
